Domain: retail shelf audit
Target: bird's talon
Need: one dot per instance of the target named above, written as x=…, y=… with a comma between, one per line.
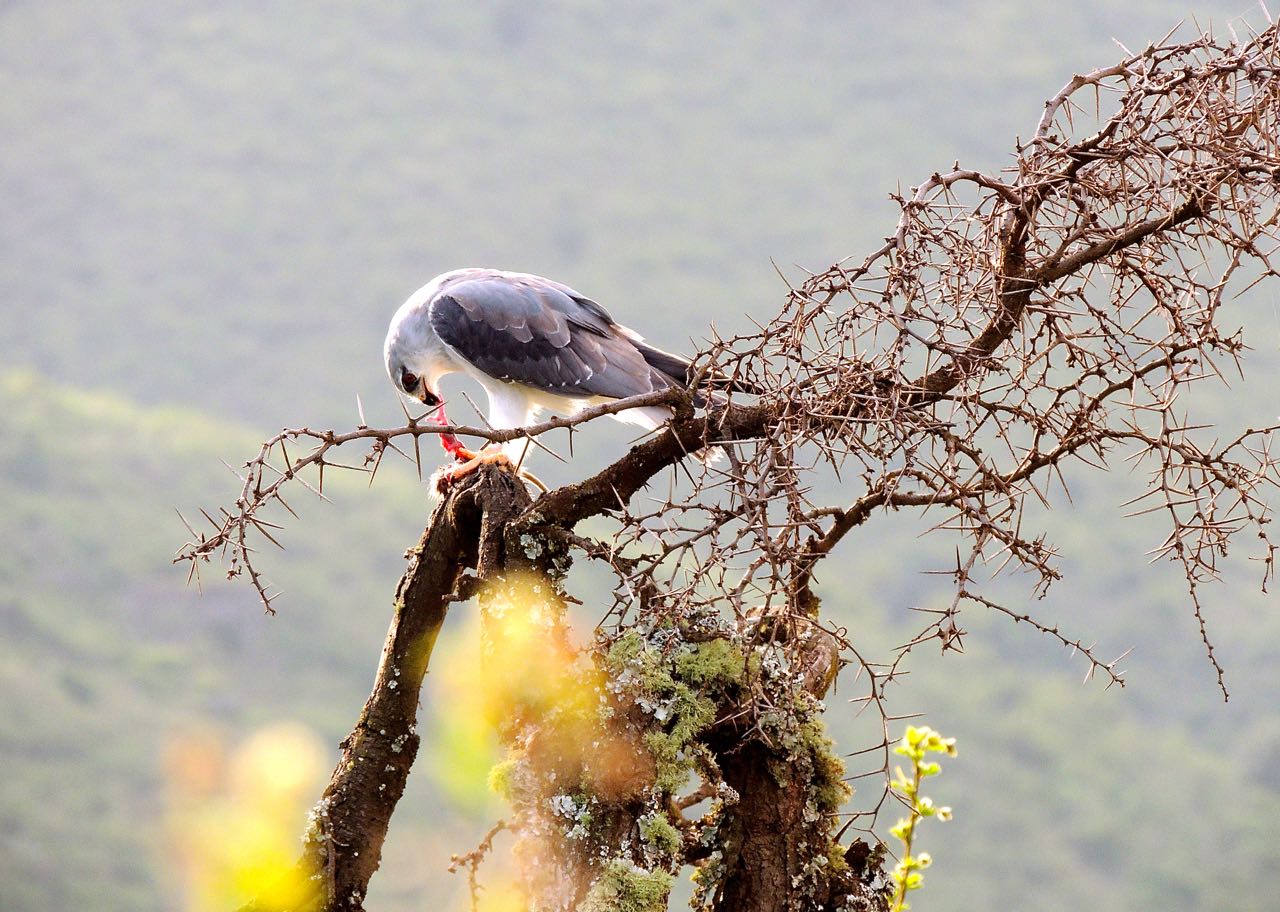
x=526, y=475
x=448, y=474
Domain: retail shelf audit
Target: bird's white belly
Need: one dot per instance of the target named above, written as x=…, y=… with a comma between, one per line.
x=514, y=405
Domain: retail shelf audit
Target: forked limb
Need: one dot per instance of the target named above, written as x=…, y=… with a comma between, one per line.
x=469, y=461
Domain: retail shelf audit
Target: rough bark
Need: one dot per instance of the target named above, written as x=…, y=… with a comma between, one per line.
x=777, y=844
x=764, y=859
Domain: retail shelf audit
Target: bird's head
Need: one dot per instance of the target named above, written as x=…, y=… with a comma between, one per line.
x=407, y=353
x=414, y=385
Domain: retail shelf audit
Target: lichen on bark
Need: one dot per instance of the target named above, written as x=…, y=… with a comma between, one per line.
x=670, y=717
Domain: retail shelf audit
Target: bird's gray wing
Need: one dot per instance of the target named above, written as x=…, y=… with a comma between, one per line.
x=529, y=330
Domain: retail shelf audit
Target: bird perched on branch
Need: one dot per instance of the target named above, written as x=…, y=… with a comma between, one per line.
x=534, y=345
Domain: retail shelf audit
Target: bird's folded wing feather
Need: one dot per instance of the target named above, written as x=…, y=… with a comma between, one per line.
x=528, y=330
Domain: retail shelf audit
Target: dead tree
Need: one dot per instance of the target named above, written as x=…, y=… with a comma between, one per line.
x=1012, y=324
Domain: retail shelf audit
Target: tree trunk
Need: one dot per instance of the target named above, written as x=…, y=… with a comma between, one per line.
x=343, y=843
x=767, y=835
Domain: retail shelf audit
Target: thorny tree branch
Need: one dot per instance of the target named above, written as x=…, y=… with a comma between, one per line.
x=1013, y=326
x=264, y=477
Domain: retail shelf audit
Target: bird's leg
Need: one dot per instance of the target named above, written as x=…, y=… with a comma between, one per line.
x=469, y=461
x=491, y=454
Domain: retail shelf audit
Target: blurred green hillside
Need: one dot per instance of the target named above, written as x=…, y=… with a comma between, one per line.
x=211, y=210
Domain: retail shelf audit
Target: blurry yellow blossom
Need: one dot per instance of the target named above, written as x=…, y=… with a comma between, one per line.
x=235, y=817
x=514, y=664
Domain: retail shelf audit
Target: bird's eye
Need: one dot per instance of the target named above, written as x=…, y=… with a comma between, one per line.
x=408, y=380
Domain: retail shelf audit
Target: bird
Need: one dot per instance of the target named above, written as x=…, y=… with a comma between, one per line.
x=535, y=345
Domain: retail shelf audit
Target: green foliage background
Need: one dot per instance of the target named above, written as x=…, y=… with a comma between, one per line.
x=209, y=213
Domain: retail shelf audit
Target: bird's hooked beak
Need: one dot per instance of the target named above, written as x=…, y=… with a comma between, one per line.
x=428, y=398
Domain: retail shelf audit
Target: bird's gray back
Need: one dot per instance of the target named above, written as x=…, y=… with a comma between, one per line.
x=525, y=329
